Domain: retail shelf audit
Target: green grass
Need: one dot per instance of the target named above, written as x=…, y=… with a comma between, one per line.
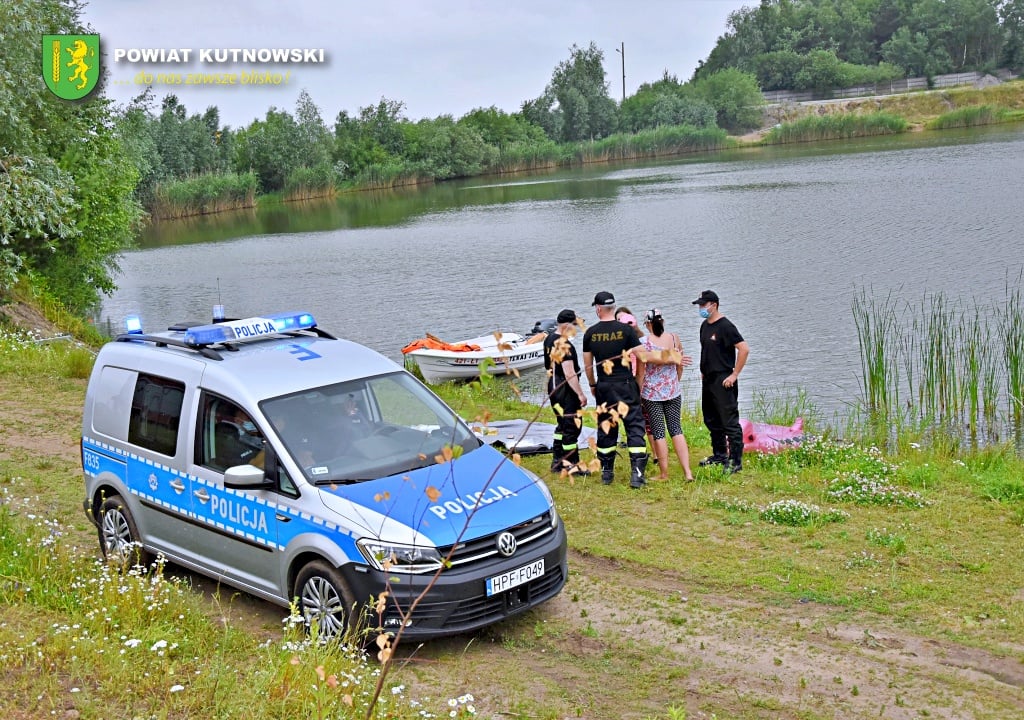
x=82, y=635
x=885, y=496
x=129, y=643
x=22, y=354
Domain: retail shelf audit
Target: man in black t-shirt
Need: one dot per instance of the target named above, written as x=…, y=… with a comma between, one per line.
x=565, y=393
x=606, y=349
x=723, y=353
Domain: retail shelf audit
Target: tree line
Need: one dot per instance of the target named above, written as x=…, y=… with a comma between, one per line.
x=827, y=44
x=298, y=154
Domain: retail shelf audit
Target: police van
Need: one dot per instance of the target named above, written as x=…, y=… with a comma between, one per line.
x=270, y=455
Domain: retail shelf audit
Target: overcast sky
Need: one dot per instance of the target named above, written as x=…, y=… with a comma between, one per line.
x=436, y=56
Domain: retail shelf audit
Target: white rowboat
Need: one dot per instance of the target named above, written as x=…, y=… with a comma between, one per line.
x=512, y=352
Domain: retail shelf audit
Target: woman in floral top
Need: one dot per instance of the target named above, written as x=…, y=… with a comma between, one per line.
x=658, y=373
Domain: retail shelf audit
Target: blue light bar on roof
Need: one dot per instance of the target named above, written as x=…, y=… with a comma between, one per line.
x=133, y=325
x=249, y=328
x=209, y=334
x=292, y=321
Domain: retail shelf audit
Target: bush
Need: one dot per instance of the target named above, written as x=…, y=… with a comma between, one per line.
x=736, y=97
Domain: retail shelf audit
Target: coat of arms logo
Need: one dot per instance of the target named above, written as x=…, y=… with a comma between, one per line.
x=71, y=64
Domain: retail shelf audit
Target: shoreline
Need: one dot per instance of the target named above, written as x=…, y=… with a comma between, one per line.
x=917, y=109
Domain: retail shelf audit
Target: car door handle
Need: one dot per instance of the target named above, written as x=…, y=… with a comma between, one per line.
x=202, y=495
x=280, y=517
x=178, y=486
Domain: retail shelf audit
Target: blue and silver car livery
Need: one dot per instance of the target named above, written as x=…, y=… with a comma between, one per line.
x=267, y=454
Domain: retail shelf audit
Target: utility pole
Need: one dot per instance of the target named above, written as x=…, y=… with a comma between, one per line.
x=622, y=52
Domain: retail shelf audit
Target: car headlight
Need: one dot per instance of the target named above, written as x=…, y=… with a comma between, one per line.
x=395, y=557
x=542, y=486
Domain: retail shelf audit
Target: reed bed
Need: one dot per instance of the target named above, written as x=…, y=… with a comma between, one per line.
x=382, y=176
x=782, y=406
x=836, y=127
x=1011, y=329
x=970, y=117
x=876, y=323
x=310, y=182
x=942, y=371
x=210, y=193
x=520, y=156
x=655, y=142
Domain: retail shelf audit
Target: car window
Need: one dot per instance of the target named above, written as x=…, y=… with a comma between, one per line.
x=156, y=413
x=228, y=436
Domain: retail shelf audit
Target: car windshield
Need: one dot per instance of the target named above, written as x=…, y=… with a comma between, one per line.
x=366, y=429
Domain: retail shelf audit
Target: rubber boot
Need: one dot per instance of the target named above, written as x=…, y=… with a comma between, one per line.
x=607, y=468
x=638, y=465
x=735, y=463
x=556, y=455
x=572, y=462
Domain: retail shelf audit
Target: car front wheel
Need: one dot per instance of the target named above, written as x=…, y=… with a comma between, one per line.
x=324, y=600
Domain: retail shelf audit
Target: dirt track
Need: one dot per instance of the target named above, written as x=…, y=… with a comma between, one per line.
x=665, y=642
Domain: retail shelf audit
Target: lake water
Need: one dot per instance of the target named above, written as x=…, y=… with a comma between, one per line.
x=787, y=236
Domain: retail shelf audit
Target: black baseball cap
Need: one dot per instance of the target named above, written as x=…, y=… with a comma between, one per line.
x=604, y=299
x=708, y=296
x=566, y=316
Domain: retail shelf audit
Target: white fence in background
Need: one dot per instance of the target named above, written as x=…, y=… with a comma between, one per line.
x=885, y=88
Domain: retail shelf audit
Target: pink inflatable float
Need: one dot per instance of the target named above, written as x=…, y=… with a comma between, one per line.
x=771, y=438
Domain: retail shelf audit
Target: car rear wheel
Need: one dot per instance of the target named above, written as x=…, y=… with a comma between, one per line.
x=324, y=600
x=119, y=536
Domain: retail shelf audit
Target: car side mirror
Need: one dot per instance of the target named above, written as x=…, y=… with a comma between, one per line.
x=244, y=476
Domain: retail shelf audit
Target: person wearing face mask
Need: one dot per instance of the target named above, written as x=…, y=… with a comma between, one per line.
x=723, y=353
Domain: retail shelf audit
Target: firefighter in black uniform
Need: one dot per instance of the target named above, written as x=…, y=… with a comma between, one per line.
x=606, y=348
x=565, y=393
